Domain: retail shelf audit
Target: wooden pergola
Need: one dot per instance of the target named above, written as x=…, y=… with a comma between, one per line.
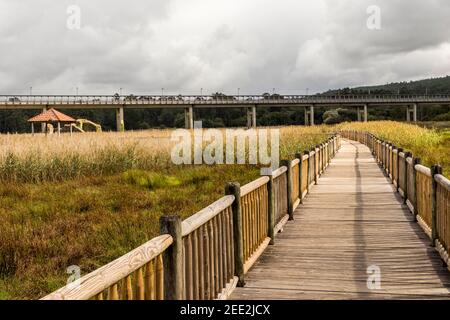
x=51, y=116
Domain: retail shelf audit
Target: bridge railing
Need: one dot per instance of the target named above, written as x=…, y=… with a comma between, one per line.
x=61, y=100
x=208, y=254
x=425, y=191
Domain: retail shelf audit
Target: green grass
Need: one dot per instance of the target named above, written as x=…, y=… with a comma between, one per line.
x=89, y=222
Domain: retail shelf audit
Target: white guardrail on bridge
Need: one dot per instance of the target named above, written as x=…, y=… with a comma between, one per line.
x=11, y=101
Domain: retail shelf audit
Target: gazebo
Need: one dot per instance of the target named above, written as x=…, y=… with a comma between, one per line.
x=51, y=116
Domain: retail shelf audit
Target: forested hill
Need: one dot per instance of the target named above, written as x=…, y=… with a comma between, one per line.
x=425, y=86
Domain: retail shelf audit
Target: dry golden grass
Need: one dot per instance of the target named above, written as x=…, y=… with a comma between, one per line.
x=27, y=158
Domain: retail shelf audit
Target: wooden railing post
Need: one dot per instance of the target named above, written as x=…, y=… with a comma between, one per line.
x=316, y=163
x=405, y=196
x=271, y=213
x=398, y=168
x=308, y=163
x=416, y=161
x=173, y=258
x=387, y=158
x=300, y=176
x=233, y=188
x=436, y=169
x=290, y=203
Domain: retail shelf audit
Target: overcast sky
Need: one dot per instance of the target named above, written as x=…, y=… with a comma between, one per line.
x=218, y=45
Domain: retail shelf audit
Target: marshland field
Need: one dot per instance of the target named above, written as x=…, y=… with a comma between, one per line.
x=89, y=198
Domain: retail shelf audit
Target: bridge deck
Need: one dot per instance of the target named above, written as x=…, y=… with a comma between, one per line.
x=351, y=220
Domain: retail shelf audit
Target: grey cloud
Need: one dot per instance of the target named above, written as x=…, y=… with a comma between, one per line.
x=218, y=45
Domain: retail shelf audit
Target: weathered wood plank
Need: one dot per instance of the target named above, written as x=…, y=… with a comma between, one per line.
x=352, y=220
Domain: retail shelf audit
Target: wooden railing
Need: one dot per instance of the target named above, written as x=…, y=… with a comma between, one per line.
x=138, y=275
x=208, y=251
x=424, y=190
x=304, y=177
x=208, y=254
x=281, y=202
x=443, y=216
x=254, y=217
x=423, y=197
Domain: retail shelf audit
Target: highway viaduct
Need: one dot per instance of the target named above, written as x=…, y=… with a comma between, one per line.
x=249, y=102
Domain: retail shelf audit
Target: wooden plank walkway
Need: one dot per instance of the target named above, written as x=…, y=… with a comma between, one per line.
x=351, y=220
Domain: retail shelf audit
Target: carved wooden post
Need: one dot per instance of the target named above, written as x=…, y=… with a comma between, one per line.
x=233, y=188
x=173, y=258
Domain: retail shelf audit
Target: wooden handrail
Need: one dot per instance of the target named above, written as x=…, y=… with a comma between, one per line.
x=192, y=223
x=295, y=162
x=249, y=187
x=107, y=276
x=279, y=172
x=443, y=181
x=422, y=169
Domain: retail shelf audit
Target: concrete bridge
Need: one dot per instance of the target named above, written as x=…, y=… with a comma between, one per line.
x=249, y=102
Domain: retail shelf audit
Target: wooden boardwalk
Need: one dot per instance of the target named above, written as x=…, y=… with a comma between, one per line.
x=351, y=220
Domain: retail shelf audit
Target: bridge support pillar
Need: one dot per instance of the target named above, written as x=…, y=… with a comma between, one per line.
x=411, y=113
x=251, y=117
x=120, y=122
x=306, y=116
x=189, y=118
x=311, y=114
x=362, y=114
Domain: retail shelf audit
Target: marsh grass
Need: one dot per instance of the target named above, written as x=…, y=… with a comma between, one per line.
x=431, y=145
x=88, y=199
x=27, y=158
